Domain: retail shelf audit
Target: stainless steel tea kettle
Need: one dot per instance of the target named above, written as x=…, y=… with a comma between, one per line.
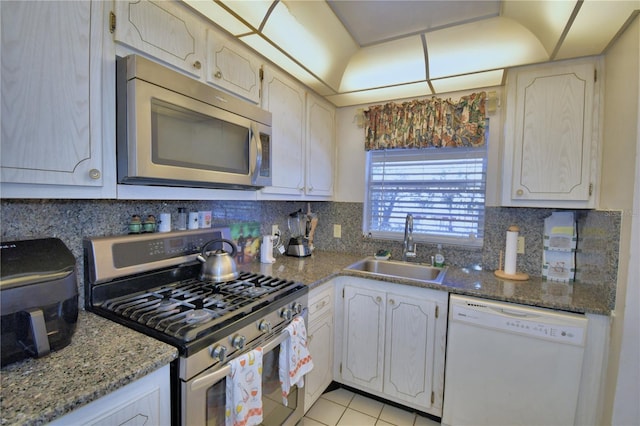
x=218, y=265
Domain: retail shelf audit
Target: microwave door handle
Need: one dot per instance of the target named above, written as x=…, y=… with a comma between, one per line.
x=216, y=376
x=255, y=135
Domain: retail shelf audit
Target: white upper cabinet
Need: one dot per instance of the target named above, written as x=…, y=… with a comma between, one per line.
x=303, y=140
x=285, y=99
x=164, y=30
x=321, y=147
x=551, y=136
x=232, y=67
x=54, y=80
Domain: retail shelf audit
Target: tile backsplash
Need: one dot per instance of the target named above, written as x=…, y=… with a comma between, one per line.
x=72, y=220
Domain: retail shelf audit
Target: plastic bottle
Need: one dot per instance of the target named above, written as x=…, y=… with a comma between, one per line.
x=182, y=218
x=439, y=259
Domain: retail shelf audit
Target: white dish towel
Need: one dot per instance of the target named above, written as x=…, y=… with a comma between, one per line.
x=244, y=390
x=295, y=359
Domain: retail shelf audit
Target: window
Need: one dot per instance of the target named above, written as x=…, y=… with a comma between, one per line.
x=443, y=188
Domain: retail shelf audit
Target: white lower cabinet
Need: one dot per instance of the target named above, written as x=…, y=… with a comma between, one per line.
x=320, y=339
x=146, y=401
x=393, y=342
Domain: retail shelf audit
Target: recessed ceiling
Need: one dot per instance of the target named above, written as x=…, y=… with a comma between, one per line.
x=365, y=51
x=377, y=21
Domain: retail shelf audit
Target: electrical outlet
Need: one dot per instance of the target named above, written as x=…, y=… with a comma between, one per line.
x=337, y=231
x=274, y=229
x=520, y=249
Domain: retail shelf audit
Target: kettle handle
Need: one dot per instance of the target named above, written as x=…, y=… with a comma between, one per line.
x=234, y=250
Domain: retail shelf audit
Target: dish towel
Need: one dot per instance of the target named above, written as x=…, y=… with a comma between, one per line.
x=244, y=390
x=295, y=359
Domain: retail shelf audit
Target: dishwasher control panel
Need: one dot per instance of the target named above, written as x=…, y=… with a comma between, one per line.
x=549, y=325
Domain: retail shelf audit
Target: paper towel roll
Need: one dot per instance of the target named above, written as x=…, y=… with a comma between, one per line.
x=511, y=250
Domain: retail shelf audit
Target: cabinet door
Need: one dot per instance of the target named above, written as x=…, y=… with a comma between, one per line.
x=363, y=337
x=320, y=147
x=321, y=348
x=553, y=133
x=409, y=350
x=232, y=67
x=51, y=93
x=285, y=99
x=163, y=30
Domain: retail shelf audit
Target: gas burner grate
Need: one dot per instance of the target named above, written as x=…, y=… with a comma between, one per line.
x=187, y=309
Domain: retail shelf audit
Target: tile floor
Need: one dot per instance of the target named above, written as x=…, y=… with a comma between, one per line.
x=342, y=407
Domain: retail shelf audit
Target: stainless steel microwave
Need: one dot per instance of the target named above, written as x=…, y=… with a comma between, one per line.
x=176, y=131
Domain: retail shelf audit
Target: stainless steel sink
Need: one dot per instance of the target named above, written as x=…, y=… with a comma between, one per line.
x=398, y=269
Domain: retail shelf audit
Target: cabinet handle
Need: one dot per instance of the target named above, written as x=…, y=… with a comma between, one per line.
x=94, y=174
x=301, y=188
x=392, y=302
x=197, y=65
x=519, y=192
x=311, y=188
x=379, y=299
x=218, y=74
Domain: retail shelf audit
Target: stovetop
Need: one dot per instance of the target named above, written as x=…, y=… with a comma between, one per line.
x=190, y=309
x=151, y=283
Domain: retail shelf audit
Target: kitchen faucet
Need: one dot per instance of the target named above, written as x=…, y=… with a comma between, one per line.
x=408, y=246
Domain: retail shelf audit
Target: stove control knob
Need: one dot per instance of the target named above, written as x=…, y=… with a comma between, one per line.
x=219, y=352
x=238, y=341
x=286, y=314
x=297, y=308
x=264, y=326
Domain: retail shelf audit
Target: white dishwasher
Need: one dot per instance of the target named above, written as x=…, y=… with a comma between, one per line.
x=510, y=364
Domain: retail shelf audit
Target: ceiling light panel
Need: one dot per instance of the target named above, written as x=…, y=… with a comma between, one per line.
x=310, y=32
x=480, y=46
x=545, y=19
x=596, y=24
x=468, y=82
x=216, y=13
x=414, y=90
x=267, y=50
x=252, y=11
x=395, y=62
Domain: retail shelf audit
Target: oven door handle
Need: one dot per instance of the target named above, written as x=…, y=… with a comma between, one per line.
x=215, y=376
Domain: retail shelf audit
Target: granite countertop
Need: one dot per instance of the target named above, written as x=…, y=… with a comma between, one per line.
x=103, y=356
x=574, y=297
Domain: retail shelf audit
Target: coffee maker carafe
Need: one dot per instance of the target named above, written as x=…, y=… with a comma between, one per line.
x=298, y=246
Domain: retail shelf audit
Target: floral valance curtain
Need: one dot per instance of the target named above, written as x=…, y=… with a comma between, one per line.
x=427, y=123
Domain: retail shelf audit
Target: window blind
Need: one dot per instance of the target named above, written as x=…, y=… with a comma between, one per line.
x=444, y=190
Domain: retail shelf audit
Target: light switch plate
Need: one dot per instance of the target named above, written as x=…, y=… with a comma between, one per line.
x=520, y=249
x=337, y=231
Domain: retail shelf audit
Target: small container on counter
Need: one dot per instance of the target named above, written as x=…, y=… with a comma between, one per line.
x=181, y=224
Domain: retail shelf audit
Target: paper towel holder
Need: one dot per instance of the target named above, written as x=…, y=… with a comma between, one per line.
x=500, y=273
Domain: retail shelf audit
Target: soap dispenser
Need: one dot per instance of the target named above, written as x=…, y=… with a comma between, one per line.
x=439, y=259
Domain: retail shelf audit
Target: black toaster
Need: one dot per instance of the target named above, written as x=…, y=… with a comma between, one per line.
x=38, y=296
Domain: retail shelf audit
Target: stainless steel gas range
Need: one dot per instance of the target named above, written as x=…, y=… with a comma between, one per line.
x=149, y=282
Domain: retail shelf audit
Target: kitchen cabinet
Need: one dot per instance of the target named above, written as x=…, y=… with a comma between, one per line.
x=320, y=339
x=55, y=78
x=303, y=137
x=164, y=30
x=394, y=342
x=145, y=401
x=232, y=67
x=320, y=146
x=551, y=136
x=285, y=99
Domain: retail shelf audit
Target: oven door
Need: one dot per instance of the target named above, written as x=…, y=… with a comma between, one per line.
x=203, y=397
